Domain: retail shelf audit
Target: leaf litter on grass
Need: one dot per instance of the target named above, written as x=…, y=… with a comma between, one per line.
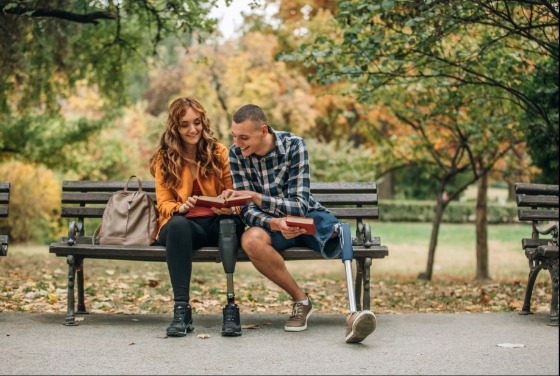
x=40, y=285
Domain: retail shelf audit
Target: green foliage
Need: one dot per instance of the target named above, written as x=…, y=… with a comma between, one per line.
x=416, y=45
x=543, y=138
x=34, y=203
x=456, y=212
x=118, y=151
x=50, y=48
x=339, y=161
x=41, y=138
x=417, y=182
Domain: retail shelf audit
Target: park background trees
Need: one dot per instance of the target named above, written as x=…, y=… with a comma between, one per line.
x=433, y=96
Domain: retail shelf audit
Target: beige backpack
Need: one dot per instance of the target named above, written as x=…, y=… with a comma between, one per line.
x=130, y=218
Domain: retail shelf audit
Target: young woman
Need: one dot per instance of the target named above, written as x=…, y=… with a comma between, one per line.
x=188, y=162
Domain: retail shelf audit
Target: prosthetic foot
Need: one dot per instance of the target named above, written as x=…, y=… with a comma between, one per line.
x=228, y=246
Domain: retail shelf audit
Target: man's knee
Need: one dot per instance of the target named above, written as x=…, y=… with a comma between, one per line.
x=253, y=240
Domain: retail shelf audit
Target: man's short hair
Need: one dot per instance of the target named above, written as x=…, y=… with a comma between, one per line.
x=250, y=112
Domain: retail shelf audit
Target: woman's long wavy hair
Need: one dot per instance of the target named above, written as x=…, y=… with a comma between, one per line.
x=171, y=150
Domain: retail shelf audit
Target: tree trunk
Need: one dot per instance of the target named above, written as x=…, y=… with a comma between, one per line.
x=440, y=207
x=511, y=192
x=482, y=272
x=385, y=187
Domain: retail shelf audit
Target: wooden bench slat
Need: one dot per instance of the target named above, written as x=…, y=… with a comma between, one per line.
x=90, y=197
x=3, y=211
x=325, y=199
x=104, y=186
x=537, y=215
x=4, y=197
x=4, y=186
x=111, y=186
x=538, y=201
x=157, y=253
x=533, y=243
x=536, y=189
x=342, y=213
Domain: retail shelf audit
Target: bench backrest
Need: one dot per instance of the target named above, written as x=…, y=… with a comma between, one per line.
x=87, y=199
x=4, y=198
x=541, y=201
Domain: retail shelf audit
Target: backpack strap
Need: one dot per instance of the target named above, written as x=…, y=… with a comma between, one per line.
x=139, y=183
x=96, y=234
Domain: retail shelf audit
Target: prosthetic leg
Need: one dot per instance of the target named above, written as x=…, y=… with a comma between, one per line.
x=358, y=324
x=228, y=246
x=347, y=258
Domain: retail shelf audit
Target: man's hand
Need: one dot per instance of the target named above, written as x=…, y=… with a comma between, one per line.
x=289, y=232
x=232, y=193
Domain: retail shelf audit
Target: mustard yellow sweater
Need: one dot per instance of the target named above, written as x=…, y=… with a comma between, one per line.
x=169, y=200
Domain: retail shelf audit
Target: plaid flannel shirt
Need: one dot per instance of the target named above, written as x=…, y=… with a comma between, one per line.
x=281, y=177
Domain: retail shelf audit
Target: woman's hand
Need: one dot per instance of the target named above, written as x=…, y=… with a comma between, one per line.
x=222, y=211
x=187, y=205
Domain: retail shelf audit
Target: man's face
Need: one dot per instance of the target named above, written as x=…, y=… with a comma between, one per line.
x=249, y=137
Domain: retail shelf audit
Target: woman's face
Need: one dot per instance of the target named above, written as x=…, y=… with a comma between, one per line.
x=190, y=127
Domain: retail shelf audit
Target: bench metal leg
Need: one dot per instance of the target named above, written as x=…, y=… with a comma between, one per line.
x=80, y=273
x=530, y=284
x=70, y=314
x=363, y=295
x=367, y=270
x=358, y=283
x=553, y=269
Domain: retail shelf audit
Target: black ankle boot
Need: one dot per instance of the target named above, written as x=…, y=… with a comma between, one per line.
x=182, y=320
x=232, y=323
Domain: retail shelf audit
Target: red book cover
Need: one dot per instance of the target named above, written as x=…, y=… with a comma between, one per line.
x=307, y=223
x=218, y=202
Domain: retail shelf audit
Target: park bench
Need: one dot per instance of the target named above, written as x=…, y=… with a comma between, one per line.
x=538, y=204
x=352, y=202
x=4, y=208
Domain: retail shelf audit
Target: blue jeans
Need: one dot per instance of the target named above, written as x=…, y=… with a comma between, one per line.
x=325, y=224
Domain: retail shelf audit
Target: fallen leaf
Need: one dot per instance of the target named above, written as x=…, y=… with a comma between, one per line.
x=203, y=336
x=510, y=345
x=250, y=326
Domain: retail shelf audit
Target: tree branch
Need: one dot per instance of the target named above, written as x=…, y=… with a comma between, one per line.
x=93, y=17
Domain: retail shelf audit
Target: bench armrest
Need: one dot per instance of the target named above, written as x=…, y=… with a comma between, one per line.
x=363, y=235
x=553, y=230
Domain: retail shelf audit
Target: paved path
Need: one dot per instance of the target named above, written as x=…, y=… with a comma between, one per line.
x=444, y=344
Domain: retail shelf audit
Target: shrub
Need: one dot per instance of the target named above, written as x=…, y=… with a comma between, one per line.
x=456, y=212
x=34, y=203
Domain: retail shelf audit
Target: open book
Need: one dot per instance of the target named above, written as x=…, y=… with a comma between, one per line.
x=218, y=202
x=307, y=223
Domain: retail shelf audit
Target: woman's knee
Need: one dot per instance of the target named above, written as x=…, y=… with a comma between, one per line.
x=177, y=223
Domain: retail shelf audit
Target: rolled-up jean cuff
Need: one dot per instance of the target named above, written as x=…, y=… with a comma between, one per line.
x=325, y=224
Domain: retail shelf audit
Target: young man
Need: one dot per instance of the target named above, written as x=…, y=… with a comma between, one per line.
x=273, y=168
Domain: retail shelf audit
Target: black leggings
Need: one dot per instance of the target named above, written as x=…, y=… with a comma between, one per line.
x=181, y=236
